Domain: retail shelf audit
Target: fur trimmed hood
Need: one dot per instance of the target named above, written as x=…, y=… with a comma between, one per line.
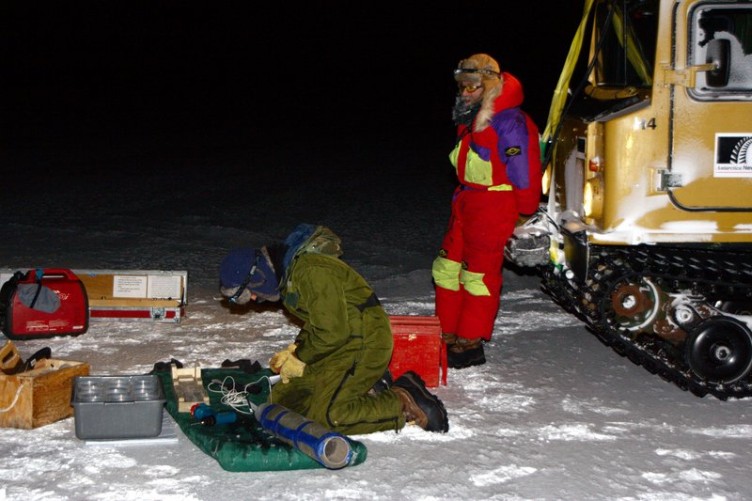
x=507, y=93
x=501, y=90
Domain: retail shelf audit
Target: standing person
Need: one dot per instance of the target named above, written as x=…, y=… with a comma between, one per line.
x=330, y=372
x=497, y=160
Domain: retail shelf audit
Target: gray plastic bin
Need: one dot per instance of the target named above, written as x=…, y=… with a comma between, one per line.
x=117, y=407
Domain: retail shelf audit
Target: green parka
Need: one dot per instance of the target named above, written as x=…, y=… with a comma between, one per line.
x=346, y=343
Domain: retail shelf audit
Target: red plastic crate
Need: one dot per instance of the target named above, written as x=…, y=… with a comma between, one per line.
x=418, y=347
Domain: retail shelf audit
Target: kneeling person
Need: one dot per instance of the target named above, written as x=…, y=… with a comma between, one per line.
x=330, y=372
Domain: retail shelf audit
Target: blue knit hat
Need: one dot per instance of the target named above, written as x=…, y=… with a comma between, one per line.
x=248, y=269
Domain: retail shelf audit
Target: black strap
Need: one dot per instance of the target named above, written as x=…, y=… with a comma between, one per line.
x=40, y=274
x=372, y=300
x=31, y=362
x=243, y=364
x=166, y=366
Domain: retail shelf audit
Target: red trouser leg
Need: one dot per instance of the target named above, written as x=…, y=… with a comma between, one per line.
x=480, y=225
x=446, y=273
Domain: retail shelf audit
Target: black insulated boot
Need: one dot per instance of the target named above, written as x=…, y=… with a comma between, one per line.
x=419, y=405
x=384, y=383
x=465, y=353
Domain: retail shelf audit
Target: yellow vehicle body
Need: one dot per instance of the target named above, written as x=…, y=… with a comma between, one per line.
x=653, y=170
x=647, y=216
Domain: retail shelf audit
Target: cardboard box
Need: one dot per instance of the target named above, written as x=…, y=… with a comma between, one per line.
x=418, y=347
x=40, y=396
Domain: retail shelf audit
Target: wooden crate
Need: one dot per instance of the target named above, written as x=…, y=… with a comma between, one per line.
x=40, y=396
x=157, y=295
x=418, y=347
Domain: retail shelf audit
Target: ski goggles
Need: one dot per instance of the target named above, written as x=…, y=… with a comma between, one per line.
x=468, y=87
x=481, y=71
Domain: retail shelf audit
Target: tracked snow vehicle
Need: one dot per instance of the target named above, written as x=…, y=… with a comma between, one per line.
x=645, y=231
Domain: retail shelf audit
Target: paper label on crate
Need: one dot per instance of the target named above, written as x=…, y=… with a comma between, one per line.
x=132, y=286
x=164, y=286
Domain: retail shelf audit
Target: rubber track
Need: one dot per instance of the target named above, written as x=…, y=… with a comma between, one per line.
x=716, y=274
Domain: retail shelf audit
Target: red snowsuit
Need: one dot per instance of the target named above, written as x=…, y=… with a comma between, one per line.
x=497, y=160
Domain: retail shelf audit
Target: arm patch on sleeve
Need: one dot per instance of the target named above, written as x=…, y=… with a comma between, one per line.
x=513, y=151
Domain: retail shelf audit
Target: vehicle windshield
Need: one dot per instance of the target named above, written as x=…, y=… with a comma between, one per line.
x=625, y=31
x=621, y=61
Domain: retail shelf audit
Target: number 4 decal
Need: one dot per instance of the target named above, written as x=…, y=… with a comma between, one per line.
x=646, y=124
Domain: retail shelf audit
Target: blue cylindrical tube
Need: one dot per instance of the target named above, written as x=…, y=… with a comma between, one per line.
x=201, y=411
x=225, y=417
x=208, y=416
x=329, y=448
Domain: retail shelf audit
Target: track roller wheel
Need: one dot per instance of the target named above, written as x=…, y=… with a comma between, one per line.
x=719, y=350
x=635, y=306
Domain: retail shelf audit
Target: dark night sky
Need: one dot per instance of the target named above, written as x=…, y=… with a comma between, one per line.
x=98, y=79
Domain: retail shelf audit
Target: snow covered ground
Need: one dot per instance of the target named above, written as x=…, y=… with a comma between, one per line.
x=553, y=415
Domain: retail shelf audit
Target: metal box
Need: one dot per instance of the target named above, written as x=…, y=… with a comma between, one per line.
x=117, y=407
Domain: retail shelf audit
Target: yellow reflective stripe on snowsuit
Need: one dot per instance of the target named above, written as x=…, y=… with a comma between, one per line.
x=449, y=275
x=477, y=170
x=446, y=273
x=473, y=283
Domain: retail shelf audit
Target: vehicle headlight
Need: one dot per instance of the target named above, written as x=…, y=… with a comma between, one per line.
x=546, y=180
x=592, y=200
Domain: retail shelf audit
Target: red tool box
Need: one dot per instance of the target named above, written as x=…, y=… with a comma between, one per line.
x=418, y=347
x=43, y=303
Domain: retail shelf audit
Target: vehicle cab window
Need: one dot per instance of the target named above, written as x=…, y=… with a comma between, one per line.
x=722, y=35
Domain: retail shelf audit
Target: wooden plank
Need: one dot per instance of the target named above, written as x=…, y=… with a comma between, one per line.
x=97, y=286
x=135, y=294
x=145, y=303
x=189, y=387
x=10, y=359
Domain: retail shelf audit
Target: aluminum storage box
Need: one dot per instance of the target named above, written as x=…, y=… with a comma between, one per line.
x=117, y=407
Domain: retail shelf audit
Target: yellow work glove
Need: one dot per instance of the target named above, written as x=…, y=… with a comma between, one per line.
x=279, y=358
x=292, y=367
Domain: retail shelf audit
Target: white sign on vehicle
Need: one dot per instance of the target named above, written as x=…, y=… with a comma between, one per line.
x=733, y=155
